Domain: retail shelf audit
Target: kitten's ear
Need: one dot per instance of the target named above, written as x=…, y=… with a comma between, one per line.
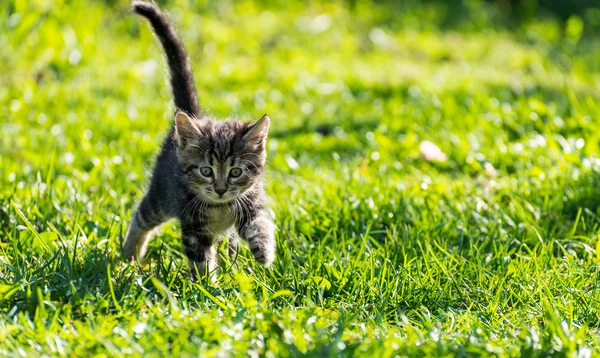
x=257, y=135
x=185, y=128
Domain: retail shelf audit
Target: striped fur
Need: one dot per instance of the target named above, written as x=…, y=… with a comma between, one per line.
x=209, y=174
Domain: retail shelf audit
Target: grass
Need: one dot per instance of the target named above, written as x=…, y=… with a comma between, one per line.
x=380, y=252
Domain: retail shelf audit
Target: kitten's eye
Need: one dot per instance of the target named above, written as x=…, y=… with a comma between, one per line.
x=235, y=172
x=206, y=171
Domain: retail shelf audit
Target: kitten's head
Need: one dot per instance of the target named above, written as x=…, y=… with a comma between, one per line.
x=221, y=160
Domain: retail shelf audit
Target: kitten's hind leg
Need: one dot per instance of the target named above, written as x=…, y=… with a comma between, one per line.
x=146, y=218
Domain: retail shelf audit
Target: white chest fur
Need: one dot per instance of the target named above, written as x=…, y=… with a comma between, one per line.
x=219, y=219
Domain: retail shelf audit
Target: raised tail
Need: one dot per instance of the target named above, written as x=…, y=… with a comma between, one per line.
x=182, y=79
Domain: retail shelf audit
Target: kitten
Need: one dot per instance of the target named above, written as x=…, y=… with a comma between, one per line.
x=209, y=174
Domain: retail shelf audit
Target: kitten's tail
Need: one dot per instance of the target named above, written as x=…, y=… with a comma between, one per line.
x=182, y=79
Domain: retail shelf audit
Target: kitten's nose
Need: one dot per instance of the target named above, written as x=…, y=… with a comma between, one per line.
x=221, y=191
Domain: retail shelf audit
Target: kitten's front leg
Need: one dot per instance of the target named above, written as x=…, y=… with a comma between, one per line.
x=201, y=254
x=259, y=232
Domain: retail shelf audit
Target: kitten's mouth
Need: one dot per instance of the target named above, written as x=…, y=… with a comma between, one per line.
x=218, y=200
x=213, y=199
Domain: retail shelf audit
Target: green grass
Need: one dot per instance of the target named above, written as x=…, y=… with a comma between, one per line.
x=379, y=251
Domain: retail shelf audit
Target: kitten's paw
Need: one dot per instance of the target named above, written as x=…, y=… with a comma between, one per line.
x=135, y=246
x=263, y=250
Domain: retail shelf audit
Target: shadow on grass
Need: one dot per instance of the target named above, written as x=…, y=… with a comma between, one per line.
x=75, y=279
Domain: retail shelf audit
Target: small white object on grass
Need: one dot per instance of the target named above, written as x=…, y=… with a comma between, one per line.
x=489, y=170
x=291, y=162
x=431, y=152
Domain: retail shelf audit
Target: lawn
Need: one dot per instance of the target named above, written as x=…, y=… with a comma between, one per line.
x=381, y=251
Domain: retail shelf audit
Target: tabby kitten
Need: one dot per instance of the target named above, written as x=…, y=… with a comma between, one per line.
x=209, y=174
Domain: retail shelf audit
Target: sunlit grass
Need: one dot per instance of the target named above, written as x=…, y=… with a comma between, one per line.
x=380, y=252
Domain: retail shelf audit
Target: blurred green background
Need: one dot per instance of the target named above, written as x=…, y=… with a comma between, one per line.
x=433, y=168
